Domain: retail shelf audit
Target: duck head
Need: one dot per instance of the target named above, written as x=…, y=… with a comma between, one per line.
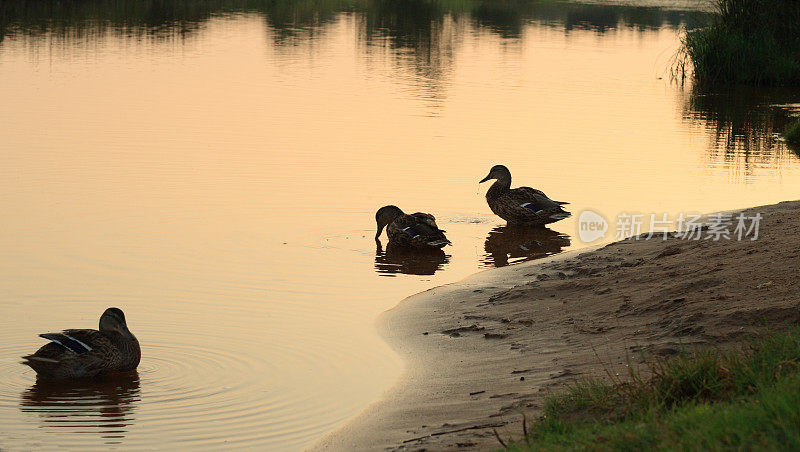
x=384, y=216
x=498, y=172
x=113, y=320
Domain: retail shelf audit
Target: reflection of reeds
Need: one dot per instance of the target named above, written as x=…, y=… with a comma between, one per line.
x=746, y=123
x=408, y=23
x=421, y=35
x=425, y=28
x=156, y=18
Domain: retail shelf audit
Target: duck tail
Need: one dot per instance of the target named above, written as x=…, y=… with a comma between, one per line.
x=439, y=243
x=560, y=215
x=39, y=363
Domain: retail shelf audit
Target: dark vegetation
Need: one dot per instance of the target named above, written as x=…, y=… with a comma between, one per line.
x=426, y=33
x=405, y=22
x=747, y=121
x=754, y=42
x=711, y=400
x=792, y=133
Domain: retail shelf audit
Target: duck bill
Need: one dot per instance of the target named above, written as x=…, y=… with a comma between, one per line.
x=485, y=179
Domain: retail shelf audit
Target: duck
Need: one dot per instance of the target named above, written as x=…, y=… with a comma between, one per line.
x=82, y=353
x=522, y=205
x=417, y=230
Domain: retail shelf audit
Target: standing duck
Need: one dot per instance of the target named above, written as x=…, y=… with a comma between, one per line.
x=417, y=230
x=88, y=353
x=523, y=205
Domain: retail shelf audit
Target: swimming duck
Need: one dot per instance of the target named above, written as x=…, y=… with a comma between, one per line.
x=523, y=205
x=417, y=230
x=88, y=353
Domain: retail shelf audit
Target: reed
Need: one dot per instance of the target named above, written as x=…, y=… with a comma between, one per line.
x=751, y=42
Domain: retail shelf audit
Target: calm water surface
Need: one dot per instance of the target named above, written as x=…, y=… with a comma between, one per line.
x=214, y=172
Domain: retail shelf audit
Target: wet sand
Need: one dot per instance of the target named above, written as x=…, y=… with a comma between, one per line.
x=481, y=352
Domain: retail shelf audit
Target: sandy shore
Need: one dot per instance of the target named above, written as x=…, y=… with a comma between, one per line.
x=482, y=351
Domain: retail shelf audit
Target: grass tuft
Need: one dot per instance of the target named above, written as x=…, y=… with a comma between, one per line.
x=741, y=399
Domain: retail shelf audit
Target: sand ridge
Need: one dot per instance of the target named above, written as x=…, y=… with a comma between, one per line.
x=483, y=351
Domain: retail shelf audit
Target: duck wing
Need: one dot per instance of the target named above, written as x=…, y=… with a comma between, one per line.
x=74, y=353
x=428, y=219
x=433, y=235
x=418, y=230
x=536, y=192
x=534, y=205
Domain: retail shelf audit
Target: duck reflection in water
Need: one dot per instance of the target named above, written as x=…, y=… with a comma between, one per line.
x=104, y=405
x=509, y=244
x=398, y=259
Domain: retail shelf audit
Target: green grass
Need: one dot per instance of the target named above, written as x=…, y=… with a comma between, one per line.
x=751, y=42
x=792, y=133
x=744, y=399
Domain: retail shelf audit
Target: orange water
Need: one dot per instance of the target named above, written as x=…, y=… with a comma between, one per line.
x=216, y=178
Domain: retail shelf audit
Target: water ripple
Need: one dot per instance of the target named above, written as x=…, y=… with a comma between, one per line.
x=202, y=394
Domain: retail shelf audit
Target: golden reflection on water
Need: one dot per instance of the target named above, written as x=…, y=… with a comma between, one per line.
x=746, y=126
x=214, y=170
